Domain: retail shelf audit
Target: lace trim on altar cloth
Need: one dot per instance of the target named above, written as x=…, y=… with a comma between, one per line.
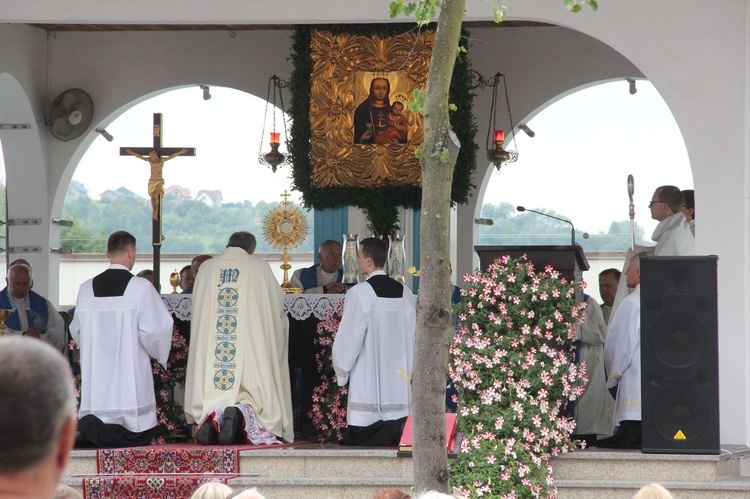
x=181, y=306
x=383, y=409
x=301, y=307
x=298, y=307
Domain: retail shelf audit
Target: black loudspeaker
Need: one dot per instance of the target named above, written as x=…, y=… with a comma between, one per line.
x=679, y=355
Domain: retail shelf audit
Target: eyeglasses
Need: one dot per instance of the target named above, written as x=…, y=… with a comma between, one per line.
x=654, y=202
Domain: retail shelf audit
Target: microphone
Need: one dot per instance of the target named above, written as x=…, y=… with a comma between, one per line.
x=572, y=229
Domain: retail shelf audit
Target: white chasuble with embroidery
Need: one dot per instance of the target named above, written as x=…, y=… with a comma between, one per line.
x=239, y=342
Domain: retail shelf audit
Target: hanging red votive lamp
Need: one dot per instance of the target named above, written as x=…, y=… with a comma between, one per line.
x=276, y=137
x=500, y=136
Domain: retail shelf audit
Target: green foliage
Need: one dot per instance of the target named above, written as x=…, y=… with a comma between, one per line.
x=381, y=203
x=576, y=5
x=188, y=226
x=423, y=11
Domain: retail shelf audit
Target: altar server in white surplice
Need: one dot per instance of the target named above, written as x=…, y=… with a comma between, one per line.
x=622, y=357
x=120, y=322
x=374, y=351
x=237, y=386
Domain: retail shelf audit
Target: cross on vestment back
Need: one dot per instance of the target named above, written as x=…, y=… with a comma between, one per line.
x=156, y=156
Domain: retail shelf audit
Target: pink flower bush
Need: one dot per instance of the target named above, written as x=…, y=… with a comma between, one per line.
x=328, y=413
x=513, y=367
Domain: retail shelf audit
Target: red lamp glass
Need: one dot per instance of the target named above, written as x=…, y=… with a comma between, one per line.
x=499, y=135
x=276, y=138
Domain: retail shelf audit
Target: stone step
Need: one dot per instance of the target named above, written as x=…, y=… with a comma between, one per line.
x=632, y=465
x=340, y=463
x=318, y=461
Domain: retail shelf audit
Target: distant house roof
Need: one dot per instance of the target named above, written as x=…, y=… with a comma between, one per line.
x=118, y=193
x=210, y=197
x=177, y=190
x=76, y=189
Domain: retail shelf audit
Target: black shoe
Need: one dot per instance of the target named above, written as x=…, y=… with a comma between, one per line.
x=234, y=424
x=81, y=442
x=628, y=436
x=207, y=434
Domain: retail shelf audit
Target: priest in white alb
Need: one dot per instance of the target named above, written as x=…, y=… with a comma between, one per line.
x=237, y=386
x=120, y=323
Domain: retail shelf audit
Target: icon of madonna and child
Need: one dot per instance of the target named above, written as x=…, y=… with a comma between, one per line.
x=380, y=119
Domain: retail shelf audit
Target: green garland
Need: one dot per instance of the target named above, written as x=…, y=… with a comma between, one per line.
x=381, y=203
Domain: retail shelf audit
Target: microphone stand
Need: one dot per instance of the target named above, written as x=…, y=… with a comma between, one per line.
x=572, y=229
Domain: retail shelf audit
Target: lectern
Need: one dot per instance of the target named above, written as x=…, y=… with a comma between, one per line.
x=569, y=260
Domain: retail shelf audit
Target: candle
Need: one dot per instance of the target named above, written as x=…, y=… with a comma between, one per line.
x=276, y=137
x=499, y=135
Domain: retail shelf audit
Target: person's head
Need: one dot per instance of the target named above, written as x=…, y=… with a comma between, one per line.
x=390, y=494
x=373, y=253
x=196, y=263
x=147, y=274
x=251, y=493
x=633, y=272
x=38, y=415
x=666, y=201
x=121, y=248
x=19, y=280
x=186, y=277
x=329, y=256
x=380, y=89
x=243, y=240
x=153, y=155
x=688, y=204
x=653, y=491
x=212, y=490
x=397, y=107
x=19, y=261
x=609, y=279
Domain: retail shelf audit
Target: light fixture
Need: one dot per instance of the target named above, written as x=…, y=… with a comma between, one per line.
x=15, y=126
x=105, y=134
x=484, y=221
x=528, y=131
x=62, y=223
x=61, y=251
x=274, y=158
x=633, y=88
x=497, y=154
x=206, y=92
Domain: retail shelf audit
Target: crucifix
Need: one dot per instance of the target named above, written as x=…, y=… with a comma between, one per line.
x=156, y=156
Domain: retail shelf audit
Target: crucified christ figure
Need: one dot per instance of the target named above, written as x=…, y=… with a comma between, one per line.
x=156, y=181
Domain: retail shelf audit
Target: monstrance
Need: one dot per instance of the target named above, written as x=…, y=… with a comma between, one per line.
x=285, y=228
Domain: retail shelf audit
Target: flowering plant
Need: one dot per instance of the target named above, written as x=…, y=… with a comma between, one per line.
x=170, y=415
x=513, y=367
x=328, y=413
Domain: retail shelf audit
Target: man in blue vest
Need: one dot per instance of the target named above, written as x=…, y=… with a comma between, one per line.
x=33, y=315
x=325, y=276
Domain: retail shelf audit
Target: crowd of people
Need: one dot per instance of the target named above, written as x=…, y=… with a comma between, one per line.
x=238, y=386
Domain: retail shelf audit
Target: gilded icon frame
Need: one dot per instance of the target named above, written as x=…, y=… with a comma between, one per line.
x=342, y=67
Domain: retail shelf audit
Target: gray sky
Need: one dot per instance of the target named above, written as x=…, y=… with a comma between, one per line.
x=586, y=144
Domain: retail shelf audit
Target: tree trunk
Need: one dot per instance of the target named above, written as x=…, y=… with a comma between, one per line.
x=431, y=470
